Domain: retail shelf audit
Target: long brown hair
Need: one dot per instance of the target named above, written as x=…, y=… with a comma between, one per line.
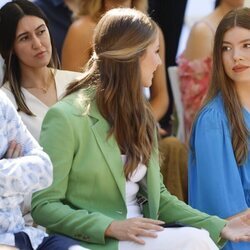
x=221, y=83
x=120, y=39
x=10, y=15
x=95, y=8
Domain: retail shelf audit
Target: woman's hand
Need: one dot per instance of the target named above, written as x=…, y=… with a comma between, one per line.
x=237, y=229
x=14, y=150
x=131, y=229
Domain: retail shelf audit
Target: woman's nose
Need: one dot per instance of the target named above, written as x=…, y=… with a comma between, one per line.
x=36, y=43
x=159, y=61
x=237, y=55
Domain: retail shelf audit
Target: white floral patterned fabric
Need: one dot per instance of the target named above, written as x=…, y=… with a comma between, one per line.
x=19, y=176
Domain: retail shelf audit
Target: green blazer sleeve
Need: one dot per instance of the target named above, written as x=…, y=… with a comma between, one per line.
x=164, y=206
x=172, y=209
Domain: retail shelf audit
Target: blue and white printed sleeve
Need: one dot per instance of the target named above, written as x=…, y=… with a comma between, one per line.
x=28, y=173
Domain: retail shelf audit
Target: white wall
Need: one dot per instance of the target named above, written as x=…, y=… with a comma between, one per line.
x=247, y=3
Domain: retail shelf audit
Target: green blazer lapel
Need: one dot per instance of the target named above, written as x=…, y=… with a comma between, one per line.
x=109, y=148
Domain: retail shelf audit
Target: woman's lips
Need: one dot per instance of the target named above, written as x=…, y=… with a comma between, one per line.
x=240, y=68
x=40, y=54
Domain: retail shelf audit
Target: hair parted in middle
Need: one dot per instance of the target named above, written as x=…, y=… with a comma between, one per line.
x=120, y=39
x=221, y=83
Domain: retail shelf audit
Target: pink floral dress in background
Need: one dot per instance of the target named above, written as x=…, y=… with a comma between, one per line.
x=194, y=80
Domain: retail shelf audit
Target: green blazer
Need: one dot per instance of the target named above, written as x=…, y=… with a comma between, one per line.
x=88, y=190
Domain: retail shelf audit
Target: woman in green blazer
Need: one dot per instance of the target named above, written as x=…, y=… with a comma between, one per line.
x=107, y=190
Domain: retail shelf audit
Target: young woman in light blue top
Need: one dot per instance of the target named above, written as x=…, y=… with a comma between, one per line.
x=219, y=162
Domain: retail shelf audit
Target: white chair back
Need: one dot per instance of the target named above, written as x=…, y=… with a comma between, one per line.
x=175, y=86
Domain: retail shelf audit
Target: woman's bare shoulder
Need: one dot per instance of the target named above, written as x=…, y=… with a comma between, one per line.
x=200, y=41
x=203, y=28
x=83, y=24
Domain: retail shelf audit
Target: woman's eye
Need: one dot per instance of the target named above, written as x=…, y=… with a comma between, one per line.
x=41, y=32
x=247, y=45
x=226, y=48
x=23, y=38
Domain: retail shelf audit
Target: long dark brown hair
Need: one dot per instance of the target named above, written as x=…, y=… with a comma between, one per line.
x=120, y=39
x=10, y=15
x=221, y=83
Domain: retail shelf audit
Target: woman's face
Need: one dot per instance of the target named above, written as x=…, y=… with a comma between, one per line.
x=32, y=44
x=236, y=54
x=149, y=62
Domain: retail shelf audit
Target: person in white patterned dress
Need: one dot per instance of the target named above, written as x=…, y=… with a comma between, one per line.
x=24, y=169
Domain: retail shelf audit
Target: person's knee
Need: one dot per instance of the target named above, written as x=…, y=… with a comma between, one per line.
x=60, y=242
x=171, y=145
x=200, y=239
